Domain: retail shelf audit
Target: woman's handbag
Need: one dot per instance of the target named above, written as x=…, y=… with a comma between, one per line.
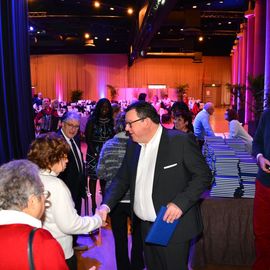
x=30, y=249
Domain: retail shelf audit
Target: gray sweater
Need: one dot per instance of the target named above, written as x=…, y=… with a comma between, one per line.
x=110, y=159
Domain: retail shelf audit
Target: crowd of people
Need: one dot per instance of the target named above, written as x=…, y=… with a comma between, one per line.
x=48, y=113
x=141, y=166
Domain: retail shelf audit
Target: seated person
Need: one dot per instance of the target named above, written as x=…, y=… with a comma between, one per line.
x=165, y=114
x=142, y=97
x=167, y=102
x=236, y=129
x=196, y=108
x=155, y=103
x=22, y=205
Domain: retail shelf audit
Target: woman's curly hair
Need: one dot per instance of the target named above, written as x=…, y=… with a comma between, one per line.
x=47, y=150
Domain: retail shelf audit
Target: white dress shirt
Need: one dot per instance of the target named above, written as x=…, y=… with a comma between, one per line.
x=62, y=219
x=143, y=203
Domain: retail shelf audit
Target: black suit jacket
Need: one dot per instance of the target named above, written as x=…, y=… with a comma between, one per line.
x=75, y=180
x=181, y=184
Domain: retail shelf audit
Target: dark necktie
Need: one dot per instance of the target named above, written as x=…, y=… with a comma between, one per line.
x=78, y=161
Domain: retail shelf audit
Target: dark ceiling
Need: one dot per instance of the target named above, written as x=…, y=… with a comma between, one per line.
x=170, y=28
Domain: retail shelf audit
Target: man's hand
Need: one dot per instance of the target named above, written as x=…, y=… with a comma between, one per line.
x=264, y=164
x=172, y=213
x=103, y=211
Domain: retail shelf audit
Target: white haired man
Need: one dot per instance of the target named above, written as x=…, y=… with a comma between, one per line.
x=201, y=123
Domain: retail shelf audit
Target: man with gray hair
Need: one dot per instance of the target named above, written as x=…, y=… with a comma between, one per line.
x=74, y=174
x=22, y=205
x=201, y=123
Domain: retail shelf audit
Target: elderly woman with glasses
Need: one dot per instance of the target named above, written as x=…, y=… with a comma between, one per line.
x=49, y=152
x=22, y=204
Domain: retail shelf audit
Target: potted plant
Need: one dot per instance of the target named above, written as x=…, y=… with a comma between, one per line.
x=181, y=90
x=76, y=95
x=256, y=87
x=113, y=92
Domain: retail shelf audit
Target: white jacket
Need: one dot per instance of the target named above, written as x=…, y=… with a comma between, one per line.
x=61, y=218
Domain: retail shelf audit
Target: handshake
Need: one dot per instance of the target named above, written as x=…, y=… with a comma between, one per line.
x=103, y=211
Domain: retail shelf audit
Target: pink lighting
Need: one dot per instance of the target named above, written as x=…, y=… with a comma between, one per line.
x=58, y=87
x=267, y=54
x=249, y=63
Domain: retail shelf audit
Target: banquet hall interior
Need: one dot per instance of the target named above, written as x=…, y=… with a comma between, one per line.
x=196, y=51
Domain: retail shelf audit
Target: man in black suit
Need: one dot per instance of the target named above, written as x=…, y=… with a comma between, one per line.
x=161, y=167
x=74, y=174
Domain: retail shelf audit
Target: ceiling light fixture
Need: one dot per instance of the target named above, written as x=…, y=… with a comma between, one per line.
x=194, y=6
x=111, y=8
x=97, y=4
x=208, y=4
x=107, y=39
x=200, y=38
x=130, y=11
x=86, y=35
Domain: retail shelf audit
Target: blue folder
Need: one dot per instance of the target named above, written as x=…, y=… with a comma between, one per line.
x=161, y=231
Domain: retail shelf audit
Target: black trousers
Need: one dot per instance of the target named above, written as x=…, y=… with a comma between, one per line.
x=93, y=187
x=78, y=207
x=72, y=262
x=172, y=257
x=119, y=222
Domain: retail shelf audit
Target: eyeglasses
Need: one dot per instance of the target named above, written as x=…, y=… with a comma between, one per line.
x=46, y=194
x=72, y=126
x=132, y=122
